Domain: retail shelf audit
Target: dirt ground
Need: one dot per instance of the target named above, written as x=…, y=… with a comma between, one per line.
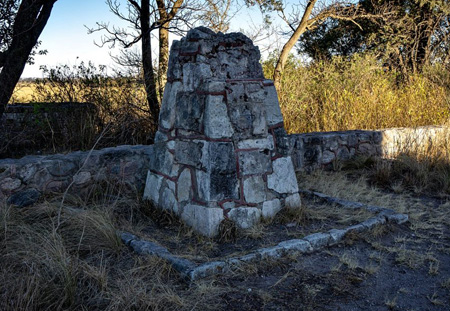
x=82, y=265
x=393, y=267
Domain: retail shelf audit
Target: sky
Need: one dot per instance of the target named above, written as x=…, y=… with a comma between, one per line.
x=65, y=36
x=67, y=41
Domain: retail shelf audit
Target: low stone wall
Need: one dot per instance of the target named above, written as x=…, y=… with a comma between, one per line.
x=128, y=165
x=125, y=165
x=322, y=150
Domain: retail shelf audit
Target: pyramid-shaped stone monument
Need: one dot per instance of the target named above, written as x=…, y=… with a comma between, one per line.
x=221, y=150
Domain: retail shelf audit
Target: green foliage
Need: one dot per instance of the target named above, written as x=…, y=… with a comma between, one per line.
x=359, y=93
x=405, y=34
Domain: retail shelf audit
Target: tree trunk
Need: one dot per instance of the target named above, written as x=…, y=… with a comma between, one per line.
x=163, y=56
x=147, y=64
x=291, y=42
x=30, y=20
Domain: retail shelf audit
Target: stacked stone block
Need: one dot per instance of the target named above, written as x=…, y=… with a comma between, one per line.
x=221, y=150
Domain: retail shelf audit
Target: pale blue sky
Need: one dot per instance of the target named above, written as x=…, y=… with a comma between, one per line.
x=65, y=37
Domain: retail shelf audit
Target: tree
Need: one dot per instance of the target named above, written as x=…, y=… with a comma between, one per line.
x=407, y=36
x=303, y=19
x=21, y=24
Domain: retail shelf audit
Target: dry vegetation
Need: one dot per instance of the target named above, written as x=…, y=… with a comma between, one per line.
x=69, y=256
x=360, y=94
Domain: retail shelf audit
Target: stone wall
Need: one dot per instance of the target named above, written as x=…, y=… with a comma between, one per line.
x=128, y=164
x=36, y=175
x=323, y=150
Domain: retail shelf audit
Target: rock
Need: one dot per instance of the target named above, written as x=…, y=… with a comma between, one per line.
x=327, y=157
x=254, y=189
x=271, y=105
x=202, y=219
x=283, y=179
x=217, y=123
x=10, y=184
x=258, y=143
x=152, y=187
x=245, y=217
x=184, y=190
x=81, y=178
x=293, y=201
x=271, y=208
x=318, y=240
x=24, y=198
x=254, y=162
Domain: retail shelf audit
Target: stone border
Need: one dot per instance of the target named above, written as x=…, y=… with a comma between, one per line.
x=308, y=244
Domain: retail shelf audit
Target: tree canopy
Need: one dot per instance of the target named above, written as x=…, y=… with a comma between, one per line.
x=407, y=34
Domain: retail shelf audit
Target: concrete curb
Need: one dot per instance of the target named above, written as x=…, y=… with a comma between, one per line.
x=308, y=244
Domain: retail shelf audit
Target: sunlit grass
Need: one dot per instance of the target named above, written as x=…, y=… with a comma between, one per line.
x=360, y=94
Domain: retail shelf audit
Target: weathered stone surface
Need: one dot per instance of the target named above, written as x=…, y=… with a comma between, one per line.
x=204, y=220
x=223, y=172
x=189, y=153
x=60, y=168
x=327, y=156
x=190, y=110
x=247, y=116
x=245, y=217
x=168, y=201
x=283, y=179
x=254, y=189
x=271, y=105
x=271, y=208
x=184, y=188
x=126, y=165
x=398, y=218
x=217, y=123
x=10, y=184
x=266, y=143
x=293, y=201
x=282, y=141
x=152, y=187
x=24, y=198
x=82, y=178
x=336, y=235
x=318, y=240
x=168, y=110
x=27, y=172
x=302, y=246
x=194, y=75
x=254, y=162
x=163, y=161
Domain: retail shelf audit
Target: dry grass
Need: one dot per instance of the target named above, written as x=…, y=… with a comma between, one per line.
x=421, y=169
x=359, y=94
x=81, y=264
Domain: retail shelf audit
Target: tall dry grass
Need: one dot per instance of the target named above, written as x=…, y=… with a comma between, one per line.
x=421, y=169
x=359, y=93
x=69, y=257
x=120, y=113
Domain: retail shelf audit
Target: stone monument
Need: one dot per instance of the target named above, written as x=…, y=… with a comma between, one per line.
x=221, y=150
